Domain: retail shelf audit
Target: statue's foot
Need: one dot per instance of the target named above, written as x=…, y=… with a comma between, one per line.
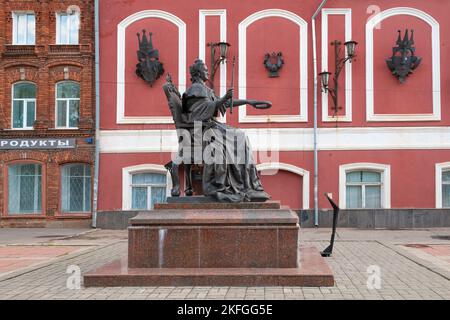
x=175, y=192
x=257, y=196
x=189, y=192
x=259, y=188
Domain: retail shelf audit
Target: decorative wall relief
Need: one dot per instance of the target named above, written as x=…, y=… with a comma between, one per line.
x=273, y=63
x=403, y=61
x=149, y=67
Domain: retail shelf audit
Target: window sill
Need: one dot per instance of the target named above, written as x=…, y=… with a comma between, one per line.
x=23, y=216
x=19, y=129
x=72, y=215
x=64, y=49
x=19, y=49
x=64, y=128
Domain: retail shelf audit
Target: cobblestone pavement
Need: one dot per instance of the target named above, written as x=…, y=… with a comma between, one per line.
x=403, y=274
x=14, y=258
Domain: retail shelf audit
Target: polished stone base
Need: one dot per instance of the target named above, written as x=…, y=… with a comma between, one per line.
x=201, y=202
x=214, y=239
x=215, y=244
x=313, y=272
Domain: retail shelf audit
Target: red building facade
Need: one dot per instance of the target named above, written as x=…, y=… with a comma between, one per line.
x=386, y=147
x=47, y=105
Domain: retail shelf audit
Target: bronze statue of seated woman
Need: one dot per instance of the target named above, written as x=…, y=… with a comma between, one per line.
x=229, y=170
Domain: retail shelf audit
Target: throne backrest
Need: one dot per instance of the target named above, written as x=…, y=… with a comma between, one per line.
x=174, y=100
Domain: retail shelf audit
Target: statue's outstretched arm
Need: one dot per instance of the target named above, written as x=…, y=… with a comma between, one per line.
x=225, y=102
x=254, y=103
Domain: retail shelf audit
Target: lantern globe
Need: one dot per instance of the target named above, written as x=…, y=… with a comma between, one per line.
x=351, y=48
x=325, y=77
x=223, y=46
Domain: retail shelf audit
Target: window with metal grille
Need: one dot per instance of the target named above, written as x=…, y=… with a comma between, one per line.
x=363, y=190
x=76, y=188
x=446, y=189
x=24, y=105
x=147, y=189
x=24, y=28
x=25, y=189
x=67, y=26
x=67, y=104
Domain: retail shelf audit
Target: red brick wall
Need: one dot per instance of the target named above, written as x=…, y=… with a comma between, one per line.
x=45, y=64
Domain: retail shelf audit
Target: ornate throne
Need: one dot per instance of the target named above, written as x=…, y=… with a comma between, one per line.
x=175, y=105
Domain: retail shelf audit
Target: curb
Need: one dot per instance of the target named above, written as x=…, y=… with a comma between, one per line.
x=421, y=262
x=22, y=271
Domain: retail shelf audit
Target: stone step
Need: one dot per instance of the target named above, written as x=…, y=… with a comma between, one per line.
x=222, y=217
x=312, y=272
x=205, y=204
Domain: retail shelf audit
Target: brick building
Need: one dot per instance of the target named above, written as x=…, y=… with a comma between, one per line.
x=47, y=108
x=383, y=152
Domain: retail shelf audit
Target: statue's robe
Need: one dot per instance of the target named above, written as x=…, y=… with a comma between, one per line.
x=229, y=172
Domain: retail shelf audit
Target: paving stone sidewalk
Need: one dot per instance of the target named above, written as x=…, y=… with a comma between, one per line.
x=402, y=275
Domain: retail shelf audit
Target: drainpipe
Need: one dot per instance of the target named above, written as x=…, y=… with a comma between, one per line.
x=316, y=154
x=97, y=114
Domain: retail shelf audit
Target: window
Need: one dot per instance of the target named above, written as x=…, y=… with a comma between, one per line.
x=24, y=188
x=363, y=190
x=24, y=105
x=67, y=104
x=442, y=187
x=446, y=189
x=67, y=26
x=364, y=185
x=23, y=28
x=147, y=189
x=76, y=188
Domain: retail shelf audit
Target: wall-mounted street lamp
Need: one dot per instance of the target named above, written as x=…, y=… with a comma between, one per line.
x=339, y=66
x=223, y=51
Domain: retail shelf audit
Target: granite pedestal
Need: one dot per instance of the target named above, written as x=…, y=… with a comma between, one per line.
x=215, y=244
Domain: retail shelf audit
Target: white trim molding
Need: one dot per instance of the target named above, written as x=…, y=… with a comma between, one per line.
x=294, y=169
x=303, y=50
x=290, y=139
x=126, y=180
x=440, y=168
x=348, y=67
x=222, y=13
x=121, y=52
x=15, y=18
x=385, y=171
x=436, y=62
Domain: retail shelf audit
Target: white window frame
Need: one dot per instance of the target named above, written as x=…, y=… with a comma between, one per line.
x=440, y=168
x=363, y=186
x=12, y=213
x=16, y=15
x=68, y=28
x=84, y=176
x=25, y=119
x=67, y=100
x=385, y=171
x=127, y=174
x=148, y=186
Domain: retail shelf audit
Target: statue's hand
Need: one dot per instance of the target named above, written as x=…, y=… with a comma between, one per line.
x=260, y=104
x=223, y=103
x=223, y=108
x=228, y=95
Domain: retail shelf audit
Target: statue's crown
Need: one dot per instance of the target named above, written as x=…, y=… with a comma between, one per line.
x=406, y=42
x=145, y=45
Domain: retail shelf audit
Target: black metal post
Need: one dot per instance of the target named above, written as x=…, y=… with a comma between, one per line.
x=329, y=250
